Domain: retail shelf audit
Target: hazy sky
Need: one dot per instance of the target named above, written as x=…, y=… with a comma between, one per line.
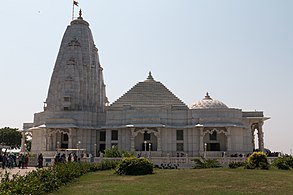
x=239, y=51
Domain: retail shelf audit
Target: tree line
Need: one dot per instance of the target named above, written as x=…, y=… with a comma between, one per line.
x=10, y=137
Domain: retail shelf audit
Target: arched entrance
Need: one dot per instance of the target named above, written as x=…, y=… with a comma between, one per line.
x=215, y=139
x=257, y=136
x=64, y=140
x=58, y=138
x=145, y=139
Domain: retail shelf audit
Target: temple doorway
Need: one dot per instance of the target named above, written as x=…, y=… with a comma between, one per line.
x=146, y=141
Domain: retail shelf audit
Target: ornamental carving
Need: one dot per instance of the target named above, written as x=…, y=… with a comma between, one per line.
x=69, y=78
x=74, y=43
x=211, y=131
x=71, y=61
x=148, y=130
x=54, y=131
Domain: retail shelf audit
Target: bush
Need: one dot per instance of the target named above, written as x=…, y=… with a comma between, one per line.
x=203, y=163
x=234, y=165
x=134, y=166
x=115, y=153
x=257, y=160
x=44, y=181
x=283, y=162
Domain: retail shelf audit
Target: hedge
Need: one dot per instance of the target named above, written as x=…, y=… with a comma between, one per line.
x=46, y=180
x=283, y=162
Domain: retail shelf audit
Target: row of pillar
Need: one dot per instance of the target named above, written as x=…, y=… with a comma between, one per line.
x=51, y=141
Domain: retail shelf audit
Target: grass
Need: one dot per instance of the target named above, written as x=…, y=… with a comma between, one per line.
x=185, y=181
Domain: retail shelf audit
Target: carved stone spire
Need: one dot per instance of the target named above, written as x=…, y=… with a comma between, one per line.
x=77, y=80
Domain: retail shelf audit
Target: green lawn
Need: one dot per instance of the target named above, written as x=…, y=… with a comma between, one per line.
x=185, y=181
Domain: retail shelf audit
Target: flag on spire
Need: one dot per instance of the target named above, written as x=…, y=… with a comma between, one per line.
x=75, y=3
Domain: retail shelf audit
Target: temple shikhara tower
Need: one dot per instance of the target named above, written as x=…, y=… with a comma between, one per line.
x=148, y=117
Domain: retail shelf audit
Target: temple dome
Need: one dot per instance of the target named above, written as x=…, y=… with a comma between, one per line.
x=208, y=103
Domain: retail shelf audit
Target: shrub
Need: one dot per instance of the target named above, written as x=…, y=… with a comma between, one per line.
x=257, y=160
x=134, y=166
x=234, y=165
x=114, y=153
x=105, y=165
x=283, y=162
x=203, y=163
x=44, y=181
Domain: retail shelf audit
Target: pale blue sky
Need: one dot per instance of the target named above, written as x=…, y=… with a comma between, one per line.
x=239, y=51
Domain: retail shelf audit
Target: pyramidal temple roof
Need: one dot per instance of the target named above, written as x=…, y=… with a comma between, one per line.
x=148, y=93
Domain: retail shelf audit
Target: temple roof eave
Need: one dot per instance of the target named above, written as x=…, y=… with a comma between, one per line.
x=258, y=118
x=62, y=126
x=207, y=125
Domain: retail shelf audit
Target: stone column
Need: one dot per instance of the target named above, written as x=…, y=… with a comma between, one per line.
x=95, y=150
x=229, y=146
x=201, y=144
x=54, y=139
x=108, y=138
x=158, y=135
x=70, y=139
x=132, y=143
x=49, y=140
x=252, y=137
x=260, y=137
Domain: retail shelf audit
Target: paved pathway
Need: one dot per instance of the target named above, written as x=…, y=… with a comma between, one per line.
x=17, y=170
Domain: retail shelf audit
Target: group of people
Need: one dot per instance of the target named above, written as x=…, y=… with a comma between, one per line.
x=61, y=158
x=11, y=160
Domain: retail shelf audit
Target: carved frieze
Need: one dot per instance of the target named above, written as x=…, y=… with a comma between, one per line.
x=74, y=43
x=71, y=61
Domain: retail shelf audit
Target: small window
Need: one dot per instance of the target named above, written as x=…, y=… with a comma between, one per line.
x=180, y=147
x=66, y=108
x=103, y=136
x=213, y=136
x=67, y=99
x=114, y=135
x=147, y=136
x=179, y=134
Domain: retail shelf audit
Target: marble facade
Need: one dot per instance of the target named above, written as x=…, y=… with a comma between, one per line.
x=148, y=117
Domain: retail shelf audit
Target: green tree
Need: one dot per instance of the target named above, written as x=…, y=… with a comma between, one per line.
x=10, y=137
x=28, y=144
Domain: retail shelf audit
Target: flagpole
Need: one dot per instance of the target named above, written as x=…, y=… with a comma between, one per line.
x=72, y=9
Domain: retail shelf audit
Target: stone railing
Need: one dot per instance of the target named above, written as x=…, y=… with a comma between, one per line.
x=182, y=161
x=185, y=160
